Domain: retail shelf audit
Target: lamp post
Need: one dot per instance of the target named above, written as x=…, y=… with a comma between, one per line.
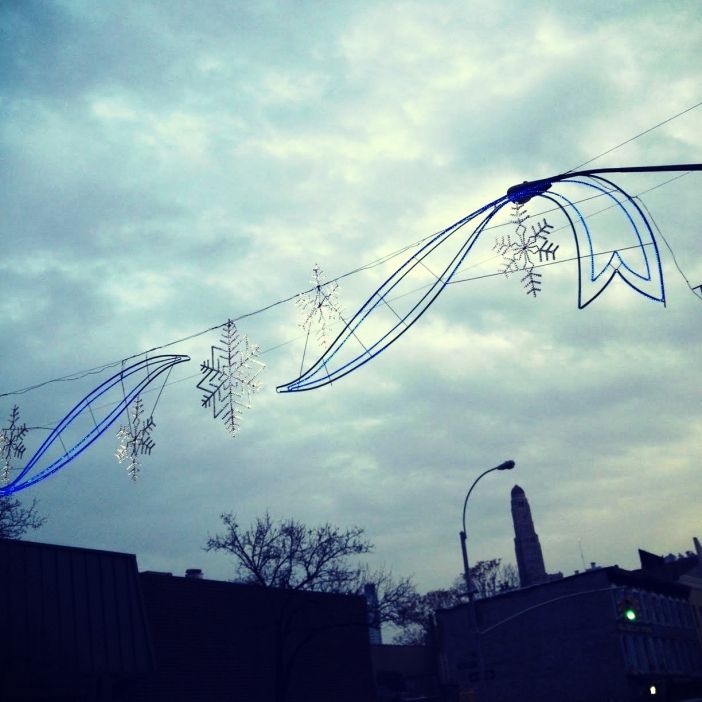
x=507, y=465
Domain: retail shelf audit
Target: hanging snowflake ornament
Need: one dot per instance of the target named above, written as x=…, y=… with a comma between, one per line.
x=229, y=378
x=11, y=445
x=319, y=307
x=519, y=252
x=135, y=439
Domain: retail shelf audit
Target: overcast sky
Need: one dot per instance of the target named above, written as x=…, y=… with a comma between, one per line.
x=167, y=166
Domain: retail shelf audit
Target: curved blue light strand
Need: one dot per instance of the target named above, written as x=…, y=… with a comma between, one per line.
x=86, y=402
x=552, y=199
x=633, y=224
x=519, y=194
x=164, y=363
x=613, y=271
x=382, y=298
x=309, y=379
x=643, y=244
x=444, y=279
x=371, y=303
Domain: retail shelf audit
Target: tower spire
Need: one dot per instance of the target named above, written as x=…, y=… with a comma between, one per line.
x=530, y=559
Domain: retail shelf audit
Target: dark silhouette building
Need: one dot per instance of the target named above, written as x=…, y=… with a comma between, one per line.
x=575, y=640
x=217, y=640
x=80, y=625
x=683, y=568
x=72, y=624
x=530, y=559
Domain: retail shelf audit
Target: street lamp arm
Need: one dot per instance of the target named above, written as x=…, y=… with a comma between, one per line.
x=465, y=502
x=505, y=465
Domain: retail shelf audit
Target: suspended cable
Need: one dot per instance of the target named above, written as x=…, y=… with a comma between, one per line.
x=640, y=134
x=379, y=261
x=78, y=375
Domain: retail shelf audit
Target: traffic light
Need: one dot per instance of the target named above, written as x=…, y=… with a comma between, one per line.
x=628, y=609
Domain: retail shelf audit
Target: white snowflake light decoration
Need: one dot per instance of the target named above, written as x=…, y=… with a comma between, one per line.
x=11, y=443
x=135, y=439
x=230, y=377
x=319, y=307
x=519, y=252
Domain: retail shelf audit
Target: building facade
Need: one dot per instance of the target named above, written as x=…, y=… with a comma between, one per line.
x=607, y=635
x=80, y=625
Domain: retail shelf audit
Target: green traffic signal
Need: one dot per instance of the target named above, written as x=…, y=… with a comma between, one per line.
x=628, y=609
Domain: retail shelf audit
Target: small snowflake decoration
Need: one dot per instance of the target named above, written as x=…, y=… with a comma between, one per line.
x=230, y=377
x=11, y=443
x=319, y=307
x=519, y=252
x=135, y=439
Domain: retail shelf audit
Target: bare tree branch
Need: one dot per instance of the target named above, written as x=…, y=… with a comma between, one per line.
x=16, y=520
x=488, y=577
x=288, y=554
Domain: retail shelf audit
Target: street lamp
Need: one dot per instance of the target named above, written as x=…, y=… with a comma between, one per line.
x=507, y=465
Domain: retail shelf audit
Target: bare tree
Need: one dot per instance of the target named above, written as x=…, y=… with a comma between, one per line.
x=418, y=622
x=509, y=577
x=488, y=578
x=291, y=556
x=16, y=519
x=492, y=577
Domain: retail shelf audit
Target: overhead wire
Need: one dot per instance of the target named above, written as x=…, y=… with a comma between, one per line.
x=78, y=375
x=483, y=276
x=636, y=136
x=670, y=249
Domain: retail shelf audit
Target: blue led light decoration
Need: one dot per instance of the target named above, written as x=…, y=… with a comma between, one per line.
x=377, y=324
x=131, y=380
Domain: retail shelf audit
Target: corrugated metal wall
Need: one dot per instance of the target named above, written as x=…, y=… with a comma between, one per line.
x=71, y=610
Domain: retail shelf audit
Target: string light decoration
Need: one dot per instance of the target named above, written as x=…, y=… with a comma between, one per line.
x=319, y=307
x=230, y=377
x=135, y=438
x=11, y=445
x=353, y=348
x=519, y=252
x=132, y=380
